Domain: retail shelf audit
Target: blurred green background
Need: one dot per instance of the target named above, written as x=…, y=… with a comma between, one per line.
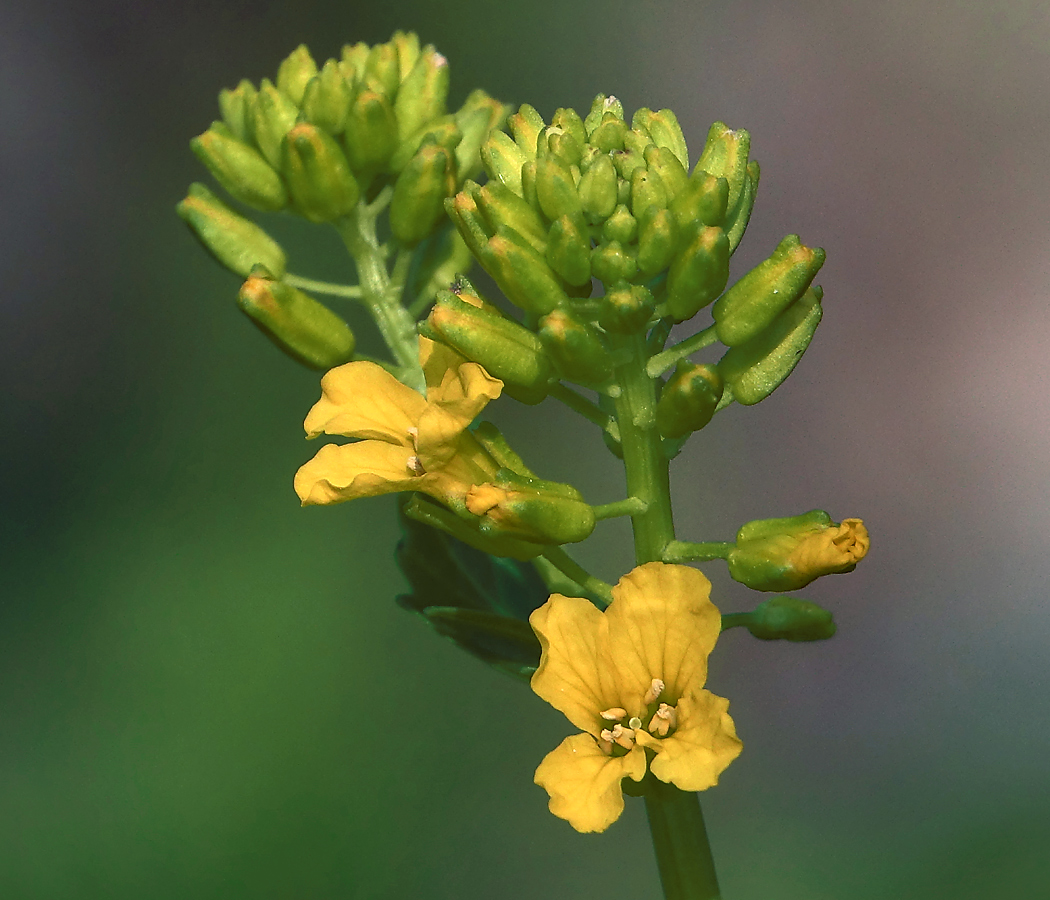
x=206, y=692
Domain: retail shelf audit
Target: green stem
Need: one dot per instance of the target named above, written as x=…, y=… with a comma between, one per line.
x=630, y=506
x=735, y=620
x=590, y=411
x=687, y=551
x=565, y=564
x=683, y=853
x=351, y=291
x=666, y=360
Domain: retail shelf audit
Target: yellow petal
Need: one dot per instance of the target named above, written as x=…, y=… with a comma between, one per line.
x=569, y=677
x=363, y=400
x=661, y=624
x=584, y=783
x=347, y=471
x=463, y=393
x=436, y=359
x=703, y=745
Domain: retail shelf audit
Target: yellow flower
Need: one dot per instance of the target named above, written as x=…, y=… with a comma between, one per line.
x=408, y=442
x=632, y=677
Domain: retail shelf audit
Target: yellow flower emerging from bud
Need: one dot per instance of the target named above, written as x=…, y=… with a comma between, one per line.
x=408, y=442
x=632, y=678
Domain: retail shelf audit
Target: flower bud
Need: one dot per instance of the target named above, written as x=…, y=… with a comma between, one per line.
x=610, y=135
x=526, y=125
x=502, y=207
x=752, y=304
x=657, y=241
x=382, y=69
x=503, y=159
x=326, y=99
x=621, y=226
x=302, y=327
x=407, y=46
x=319, y=178
x=569, y=121
x=688, y=400
x=599, y=107
x=698, y=274
x=610, y=263
x=647, y=192
x=626, y=309
x=787, y=554
x=575, y=347
x=523, y=275
x=702, y=200
x=419, y=195
x=477, y=117
x=725, y=156
x=423, y=93
x=562, y=146
x=442, y=131
x=241, y=170
x=234, y=241
x=273, y=115
x=665, y=131
x=555, y=189
x=295, y=72
x=472, y=227
x=370, y=136
x=597, y=190
x=627, y=162
x=752, y=371
x=738, y=216
x=504, y=348
x=790, y=619
x=569, y=250
x=673, y=176
x=529, y=514
x=236, y=107
x=352, y=61
x=422, y=510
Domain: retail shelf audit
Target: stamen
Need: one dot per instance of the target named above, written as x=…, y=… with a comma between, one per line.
x=623, y=736
x=665, y=719
x=415, y=466
x=655, y=690
x=613, y=714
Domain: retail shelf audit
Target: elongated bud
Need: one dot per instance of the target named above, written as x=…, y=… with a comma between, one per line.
x=319, y=178
x=698, y=274
x=658, y=241
x=610, y=135
x=561, y=145
x=302, y=327
x=647, y=192
x=751, y=305
x=627, y=162
x=407, y=46
x=569, y=121
x=240, y=170
x=352, y=61
x=626, y=308
x=234, y=241
x=326, y=99
x=620, y=226
x=529, y=514
x=526, y=125
x=575, y=347
x=503, y=159
x=611, y=262
x=523, y=275
x=295, y=72
x=505, y=349
x=754, y=370
x=502, y=207
x=477, y=117
x=472, y=227
x=569, y=250
x=688, y=400
x=597, y=190
x=382, y=69
x=787, y=554
x=702, y=200
x=790, y=619
x=236, y=107
x=725, y=156
x=672, y=173
x=370, y=137
x=443, y=131
x=419, y=194
x=273, y=115
x=423, y=93
x=738, y=216
x=665, y=131
x=599, y=107
x=555, y=189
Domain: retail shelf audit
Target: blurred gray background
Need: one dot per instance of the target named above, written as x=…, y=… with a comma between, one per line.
x=206, y=692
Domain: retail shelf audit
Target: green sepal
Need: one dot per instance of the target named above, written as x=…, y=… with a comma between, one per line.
x=295, y=72
x=476, y=118
x=370, y=135
x=786, y=619
x=503, y=159
x=318, y=175
x=273, y=115
x=626, y=308
x=598, y=189
x=556, y=189
x=673, y=175
x=352, y=59
x=326, y=99
x=382, y=71
x=502, y=207
x=417, y=205
x=757, y=529
x=703, y=199
x=755, y=369
x=241, y=170
x=495, y=444
x=689, y=399
x=599, y=107
x=236, y=108
x=610, y=263
x=423, y=93
x=302, y=327
x=523, y=275
x=621, y=226
x=663, y=128
x=569, y=121
x=575, y=347
x=698, y=274
x=443, y=131
x=562, y=146
x=737, y=218
x=725, y=156
x=525, y=125
x=233, y=240
x=610, y=135
x=569, y=250
x=647, y=192
x=658, y=239
x=466, y=531
x=408, y=50
x=627, y=162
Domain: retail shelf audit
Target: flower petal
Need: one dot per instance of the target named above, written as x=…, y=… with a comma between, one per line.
x=569, y=677
x=661, y=624
x=704, y=744
x=584, y=783
x=451, y=406
x=346, y=471
x=436, y=359
x=363, y=400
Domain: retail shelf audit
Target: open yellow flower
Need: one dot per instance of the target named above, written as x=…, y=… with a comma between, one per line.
x=632, y=677
x=408, y=442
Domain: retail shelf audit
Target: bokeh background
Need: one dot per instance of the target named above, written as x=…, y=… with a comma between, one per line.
x=206, y=692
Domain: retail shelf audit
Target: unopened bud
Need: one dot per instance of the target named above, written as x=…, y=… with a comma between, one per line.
x=725, y=156
x=658, y=240
x=503, y=159
x=698, y=274
x=273, y=115
x=597, y=190
x=569, y=250
x=611, y=262
x=236, y=107
x=647, y=192
x=665, y=131
x=599, y=107
x=621, y=226
x=575, y=347
x=526, y=125
x=790, y=619
x=626, y=309
x=319, y=178
x=523, y=275
x=627, y=162
x=241, y=170
x=701, y=200
x=569, y=121
x=556, y=189
x=295, y=72
x=370, y=136
x=382, y=69
x=688, y=400
x=326, y=99
x=530, y=515
x=477, y=117
x=407, y=46
x=352, y=61
x=673, y=175
x=609, y=136
x=738, y=216
x=422, y=94
x=419, y=195
x=502, y=207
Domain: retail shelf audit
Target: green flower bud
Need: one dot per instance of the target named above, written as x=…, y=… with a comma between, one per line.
x=626, y=309
x=575, y=347
x=688, y=400
x=443, y=131
x=599, y=107
x=319, y=178
x=569, y=121
x=672, y=173
x=658, y=240
x=407, y=46
x=555, y=189
x=352, y=61
x=702, y=200
x=787, y=554
x=423, y=93
x=665, y=131
x=609, y=136
x=597, y=190
x=465, y=215
x=273, y=115
x=383, y=70
x=620, y=226
x=738, y=216
x=326, y=99
x=370, y=137
x=637, y=141
x=627, y=162
x=790, y=619
x=530, y=514
x=569, y=250
x=241, y=170
x=526, y=125
x=475, y=120
x=419, y=195
x=503, y=159
x=647, y=192
x=504, y=348
x=294, y=73
x=560, y=145
x=236, y=107
x=234, y=241
x=752, y=371
x=698, y=274
x=725, y=156
x=611, y=263
x=752, y=304
x=502, y=207
x=528, y=184
x=523, y=275
x=302, y=327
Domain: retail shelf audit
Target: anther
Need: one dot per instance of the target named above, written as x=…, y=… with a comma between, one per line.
x=665, y=719
x=623, y=736
x=415, y=466
x=613, y=714
x=655, y=690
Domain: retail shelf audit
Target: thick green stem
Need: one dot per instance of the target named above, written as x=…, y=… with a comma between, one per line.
x=683, y=854
x=598, y=589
